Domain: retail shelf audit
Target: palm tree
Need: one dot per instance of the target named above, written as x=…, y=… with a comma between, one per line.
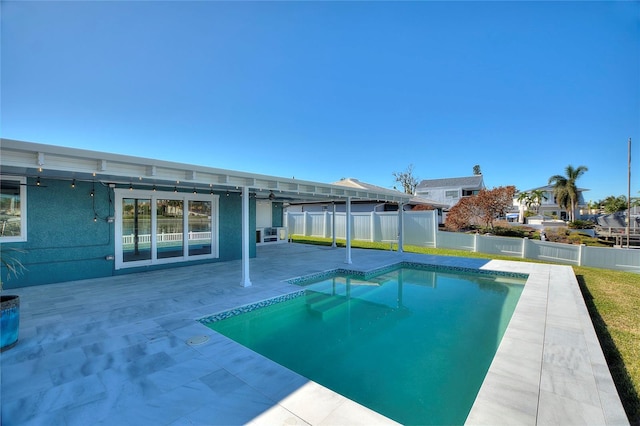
x=524, y=198
x=537, y=196
x=565, y=189
x=532, y=198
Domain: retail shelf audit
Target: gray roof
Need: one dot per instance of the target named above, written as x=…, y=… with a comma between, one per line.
x=355, y=183
x=475, y=181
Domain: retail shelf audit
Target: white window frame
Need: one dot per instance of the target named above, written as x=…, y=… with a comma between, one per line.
x=154, y=196
x=448, y=193
x=23, y=211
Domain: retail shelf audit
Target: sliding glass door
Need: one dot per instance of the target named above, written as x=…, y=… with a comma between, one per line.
x=136, y=229
x=200, y=228
x=170, y=228
x=162, y=227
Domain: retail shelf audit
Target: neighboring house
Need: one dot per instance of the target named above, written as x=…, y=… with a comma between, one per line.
x=75, y=214
x=549, y=207
x=366, y=205
x=449, y=191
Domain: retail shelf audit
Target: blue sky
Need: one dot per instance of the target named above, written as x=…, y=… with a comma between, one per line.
x=325, y=90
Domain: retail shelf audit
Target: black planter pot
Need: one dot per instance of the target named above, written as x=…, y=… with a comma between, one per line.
x=9, y=321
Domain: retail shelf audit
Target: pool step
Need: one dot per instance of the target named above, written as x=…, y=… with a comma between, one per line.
x=325, y=305
x=321, y=304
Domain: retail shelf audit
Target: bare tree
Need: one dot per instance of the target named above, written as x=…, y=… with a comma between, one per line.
x=407, y=180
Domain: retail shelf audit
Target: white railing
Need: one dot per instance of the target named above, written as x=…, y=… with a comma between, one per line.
x=420, y=229
x=163, y=238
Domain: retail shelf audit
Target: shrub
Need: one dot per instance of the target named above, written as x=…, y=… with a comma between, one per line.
x=574, y=238
x=581, y=224
x=511, y=231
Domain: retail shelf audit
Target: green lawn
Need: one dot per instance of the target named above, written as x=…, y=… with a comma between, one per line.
x=613, y=300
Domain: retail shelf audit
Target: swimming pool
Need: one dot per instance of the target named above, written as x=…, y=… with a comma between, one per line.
x=412, y=343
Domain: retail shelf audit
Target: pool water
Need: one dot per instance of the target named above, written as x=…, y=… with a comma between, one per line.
x=411, y=344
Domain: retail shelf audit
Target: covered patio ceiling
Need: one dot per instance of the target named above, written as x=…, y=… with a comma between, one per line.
x=48, y=161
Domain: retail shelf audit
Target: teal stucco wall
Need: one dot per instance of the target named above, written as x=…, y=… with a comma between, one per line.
x=231, y=226
x=277, y=214
x=64, y=243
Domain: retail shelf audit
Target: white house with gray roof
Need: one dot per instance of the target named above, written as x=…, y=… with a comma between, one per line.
x=549, y=205
x=449, y=191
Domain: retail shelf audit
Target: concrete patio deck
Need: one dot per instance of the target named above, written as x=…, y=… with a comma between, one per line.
x=113, y=351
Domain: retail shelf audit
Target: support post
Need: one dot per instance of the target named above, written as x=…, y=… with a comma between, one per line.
x=435, y=228
x=246, y=280
x=333, y=226
x=400, y=228
x=348, y=231
x=628, y=193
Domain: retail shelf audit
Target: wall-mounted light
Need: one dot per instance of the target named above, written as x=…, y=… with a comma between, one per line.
x=227, y=193
x=154, y=188
x=130, y=187
x=175, y=189
x=194, y=191
x=73, y=183
x=38, y=181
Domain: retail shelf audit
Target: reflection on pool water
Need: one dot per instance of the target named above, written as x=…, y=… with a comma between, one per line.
x=413, y=344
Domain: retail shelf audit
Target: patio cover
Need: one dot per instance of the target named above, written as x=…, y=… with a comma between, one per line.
x=20, y=158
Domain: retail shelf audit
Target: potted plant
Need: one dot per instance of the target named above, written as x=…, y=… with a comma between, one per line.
x=9, y=306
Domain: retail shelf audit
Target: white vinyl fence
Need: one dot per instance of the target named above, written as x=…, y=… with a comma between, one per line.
x=421, y=229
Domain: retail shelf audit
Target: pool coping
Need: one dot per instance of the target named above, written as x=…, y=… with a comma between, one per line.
x=549, y=367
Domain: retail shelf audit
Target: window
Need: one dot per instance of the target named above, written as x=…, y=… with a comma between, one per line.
x=154, y=227
x=469, y=192
x=451, y=194
x=13, y=208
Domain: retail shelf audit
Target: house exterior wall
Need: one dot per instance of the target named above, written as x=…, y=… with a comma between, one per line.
x=277, y=211
x=449, y=191
x=64, y=243
x=442, y=195
x=231, y=228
